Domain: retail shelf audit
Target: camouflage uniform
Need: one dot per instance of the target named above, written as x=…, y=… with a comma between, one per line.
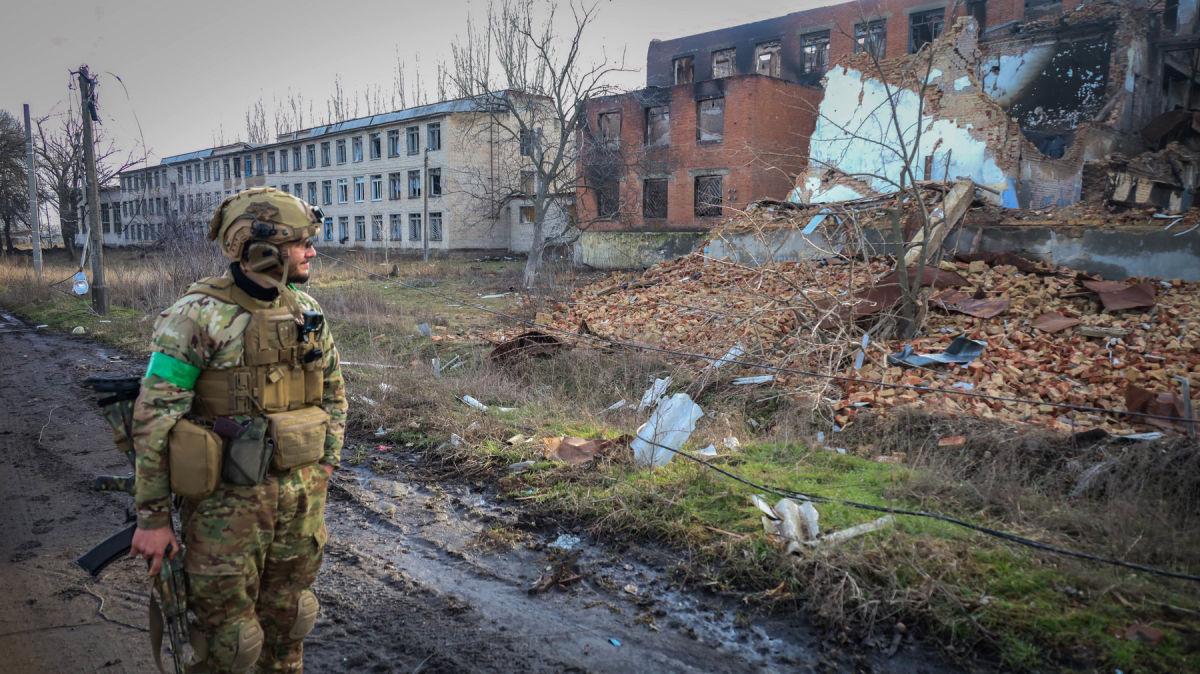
x=252, y=551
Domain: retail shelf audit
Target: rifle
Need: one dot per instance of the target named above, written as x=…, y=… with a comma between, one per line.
x=168, y=597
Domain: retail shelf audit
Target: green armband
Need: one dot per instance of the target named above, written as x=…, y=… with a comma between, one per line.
x=173, y=370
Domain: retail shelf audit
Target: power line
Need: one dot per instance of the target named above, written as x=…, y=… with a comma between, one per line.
x=761, y=366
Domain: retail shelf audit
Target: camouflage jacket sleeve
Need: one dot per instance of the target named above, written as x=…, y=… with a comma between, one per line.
x=179, y=334
x=333, y=399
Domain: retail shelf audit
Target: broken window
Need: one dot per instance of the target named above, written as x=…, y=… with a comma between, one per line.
x=654, y=198
x=814, y=52
x=766, y=59
x=526, y=214
x=977, y=9
x=1171, y=15
x=658, y=125
x=722, y=63
x=710, y=120
x=606, y=200
x=924, y=27
x=683, y=69
x=871, y=37
x=610, y=127
x=708, y=196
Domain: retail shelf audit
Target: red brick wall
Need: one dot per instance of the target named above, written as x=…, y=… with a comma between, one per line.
x=765, y=145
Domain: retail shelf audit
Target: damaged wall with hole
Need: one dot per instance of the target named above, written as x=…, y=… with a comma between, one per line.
x=1021, y=108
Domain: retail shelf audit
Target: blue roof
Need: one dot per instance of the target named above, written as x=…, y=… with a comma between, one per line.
x=198, y=154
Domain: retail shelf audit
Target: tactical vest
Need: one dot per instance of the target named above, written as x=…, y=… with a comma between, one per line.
x=274, y=376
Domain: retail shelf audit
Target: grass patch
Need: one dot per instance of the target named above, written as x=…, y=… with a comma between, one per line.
x=978, y=598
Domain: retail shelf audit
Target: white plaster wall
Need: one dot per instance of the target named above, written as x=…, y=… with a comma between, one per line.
x=1005, y=76
x=855, y=134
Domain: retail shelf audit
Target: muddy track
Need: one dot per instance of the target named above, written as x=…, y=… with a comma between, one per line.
x=405, y=586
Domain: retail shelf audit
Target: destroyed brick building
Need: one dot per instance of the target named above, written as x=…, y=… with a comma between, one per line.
x=1022, y=108
x=1042, y=103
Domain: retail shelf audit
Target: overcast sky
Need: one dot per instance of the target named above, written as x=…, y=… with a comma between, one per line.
x=188, y=71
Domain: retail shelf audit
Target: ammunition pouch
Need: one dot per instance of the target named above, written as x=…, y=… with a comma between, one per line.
x=194, y=460
x=299, y=437
x=247, y=455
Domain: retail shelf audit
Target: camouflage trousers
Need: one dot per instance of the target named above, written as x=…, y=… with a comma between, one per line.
x=252, y=556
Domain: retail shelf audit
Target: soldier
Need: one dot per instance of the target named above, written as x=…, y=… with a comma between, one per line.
x=243, y=375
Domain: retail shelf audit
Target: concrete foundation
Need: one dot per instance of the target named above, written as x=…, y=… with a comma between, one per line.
x=633, y=250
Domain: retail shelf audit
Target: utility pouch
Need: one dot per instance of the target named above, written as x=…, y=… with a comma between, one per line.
x=194, y=460
x=299, y=437
x=247, y=455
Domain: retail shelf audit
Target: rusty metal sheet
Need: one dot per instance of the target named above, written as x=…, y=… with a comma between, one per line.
x=1138, y=399
x=1116, y=296
x=1054, y=322
x=964, y=303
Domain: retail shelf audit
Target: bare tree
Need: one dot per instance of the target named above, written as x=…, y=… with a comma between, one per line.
x=59, y=149
x=256, y=123
x=527, y=77
x=14, y=177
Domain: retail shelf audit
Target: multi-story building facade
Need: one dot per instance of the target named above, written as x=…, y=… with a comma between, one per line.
x=438, y=174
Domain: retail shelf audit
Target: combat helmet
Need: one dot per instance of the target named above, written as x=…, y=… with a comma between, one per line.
x=252, y=226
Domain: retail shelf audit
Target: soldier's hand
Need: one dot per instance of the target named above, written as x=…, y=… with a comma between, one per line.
x=151, y=544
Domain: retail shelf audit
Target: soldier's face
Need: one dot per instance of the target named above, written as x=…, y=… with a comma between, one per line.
x=299, y=254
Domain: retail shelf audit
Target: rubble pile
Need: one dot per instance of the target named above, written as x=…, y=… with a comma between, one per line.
x=1048, y=336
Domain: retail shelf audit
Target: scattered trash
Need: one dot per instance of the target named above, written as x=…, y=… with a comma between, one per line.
x=1104, y=333
x=862, y=352
x=789, y=523
x=1162, y=403
x=40, y=326
x=1053, y=322
x=672, y=422
x=456, y=440
x=847, y=534
x=894, y=459
x=383, y=448
x=734, y=352
x=630, y=588
x=574, y=451
x=519, y=467
x=952, y=442
x=614, y=642
x=654, y=394
x=424, y=329
x=760, y=379
x=494, y=296
x=1143, y=634
x=79, y=330
x=367, y=400
x=381, y=431
x=961, y=350
x=516, y=439
x=971, y=305
x=963, y=385
x=708, y=451
x=615, y=406
x=565, y=542
x=527, y=344
x=731, y=444
x=474, y=403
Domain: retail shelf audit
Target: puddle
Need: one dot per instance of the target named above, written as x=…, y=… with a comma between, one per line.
x=430, y=535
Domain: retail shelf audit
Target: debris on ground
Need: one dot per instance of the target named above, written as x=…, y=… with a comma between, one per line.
x=574, y=451
x=668, y=428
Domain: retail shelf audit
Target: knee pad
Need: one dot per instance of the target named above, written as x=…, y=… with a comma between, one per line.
x=249, y=645
x=306, y=615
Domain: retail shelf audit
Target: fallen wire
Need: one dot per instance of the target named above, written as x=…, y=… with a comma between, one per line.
x=816, y=498
x=996, y=533
x=762, y=366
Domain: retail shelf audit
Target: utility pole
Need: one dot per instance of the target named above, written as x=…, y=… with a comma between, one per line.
x=425, y=205
x=35, y=229
x=99, y=289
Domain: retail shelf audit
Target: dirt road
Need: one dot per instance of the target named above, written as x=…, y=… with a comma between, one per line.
x=404, y=588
